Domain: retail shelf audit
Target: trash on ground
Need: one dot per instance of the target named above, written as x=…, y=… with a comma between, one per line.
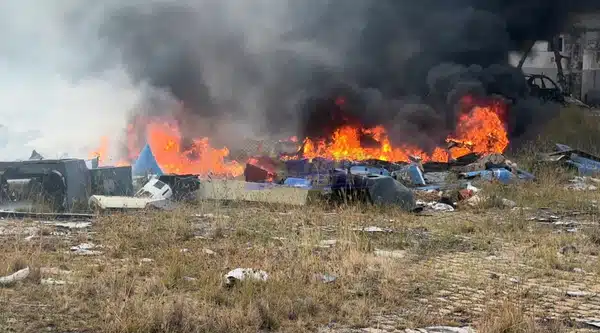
x=54, y=282
x=85, y=249
x=578, y=293
x=325, y=278
x=396, y=254
x=583, y=184
x=243, y=274
x=373, y=229
x=19, y=275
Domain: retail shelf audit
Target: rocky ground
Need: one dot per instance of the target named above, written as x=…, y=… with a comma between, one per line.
x=490, y=268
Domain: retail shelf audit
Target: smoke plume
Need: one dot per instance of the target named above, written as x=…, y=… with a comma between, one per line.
x=76, y=70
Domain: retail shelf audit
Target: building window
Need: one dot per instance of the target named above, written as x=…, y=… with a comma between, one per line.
x=559, y=44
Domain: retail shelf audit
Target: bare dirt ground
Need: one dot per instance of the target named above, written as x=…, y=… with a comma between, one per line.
x=530, y=268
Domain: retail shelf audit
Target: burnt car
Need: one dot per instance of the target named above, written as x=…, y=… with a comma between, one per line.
x=547, y=90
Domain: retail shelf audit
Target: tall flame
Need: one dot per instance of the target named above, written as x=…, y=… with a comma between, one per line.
x=164, y=138
x=200, y=158
x=481, y=131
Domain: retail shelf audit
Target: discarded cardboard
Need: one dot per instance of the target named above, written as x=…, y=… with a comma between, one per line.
x=254, y=192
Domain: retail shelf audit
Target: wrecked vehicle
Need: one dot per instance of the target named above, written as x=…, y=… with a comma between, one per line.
x=544, y=88
x=154, y=191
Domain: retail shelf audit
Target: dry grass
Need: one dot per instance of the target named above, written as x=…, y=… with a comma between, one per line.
x=163, y=272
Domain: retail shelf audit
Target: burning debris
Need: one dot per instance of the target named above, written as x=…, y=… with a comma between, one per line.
x=351, y=163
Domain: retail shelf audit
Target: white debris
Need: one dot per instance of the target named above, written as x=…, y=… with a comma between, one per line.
x=30, y=238
x=51, y=281
x=242, y=274
x=212, y=216
x=396, y=254
x=582, y=184
x=435, y=206
x=85, y=249
x=68, y=225
x=189, y=279
x=372, y=229
x=472, y=188
x=442, y=207
x=579, y=294
x=594, y=322
x=328, y=243
x=146, y=260
x=448, y=329
x=208, y=251
x=184, y=250
x=325, y=278
x=15, y=277
x=509, y=203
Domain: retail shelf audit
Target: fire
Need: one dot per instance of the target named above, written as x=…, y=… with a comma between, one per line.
x=164, y=138
x=101, y=153
x=481, y=131
x=199, y=158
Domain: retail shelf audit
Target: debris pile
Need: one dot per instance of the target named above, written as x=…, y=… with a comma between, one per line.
x=416, y=185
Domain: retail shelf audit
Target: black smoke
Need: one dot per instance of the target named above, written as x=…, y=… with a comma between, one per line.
x=404, y=64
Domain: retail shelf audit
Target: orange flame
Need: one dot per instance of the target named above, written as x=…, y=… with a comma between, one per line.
x=481, y=131
x=164, y=139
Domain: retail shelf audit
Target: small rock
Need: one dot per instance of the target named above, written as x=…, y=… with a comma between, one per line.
x=509, y=203
x=578, y=270
x=494, y=276
x=569, y=249
x=208, y=251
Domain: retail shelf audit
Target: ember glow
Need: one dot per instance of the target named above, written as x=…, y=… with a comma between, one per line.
x=479, y=130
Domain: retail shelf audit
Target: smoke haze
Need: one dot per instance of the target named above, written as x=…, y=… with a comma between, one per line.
x=73, y=71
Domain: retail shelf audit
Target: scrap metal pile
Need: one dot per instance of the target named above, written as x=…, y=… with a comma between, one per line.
x=70, y=185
